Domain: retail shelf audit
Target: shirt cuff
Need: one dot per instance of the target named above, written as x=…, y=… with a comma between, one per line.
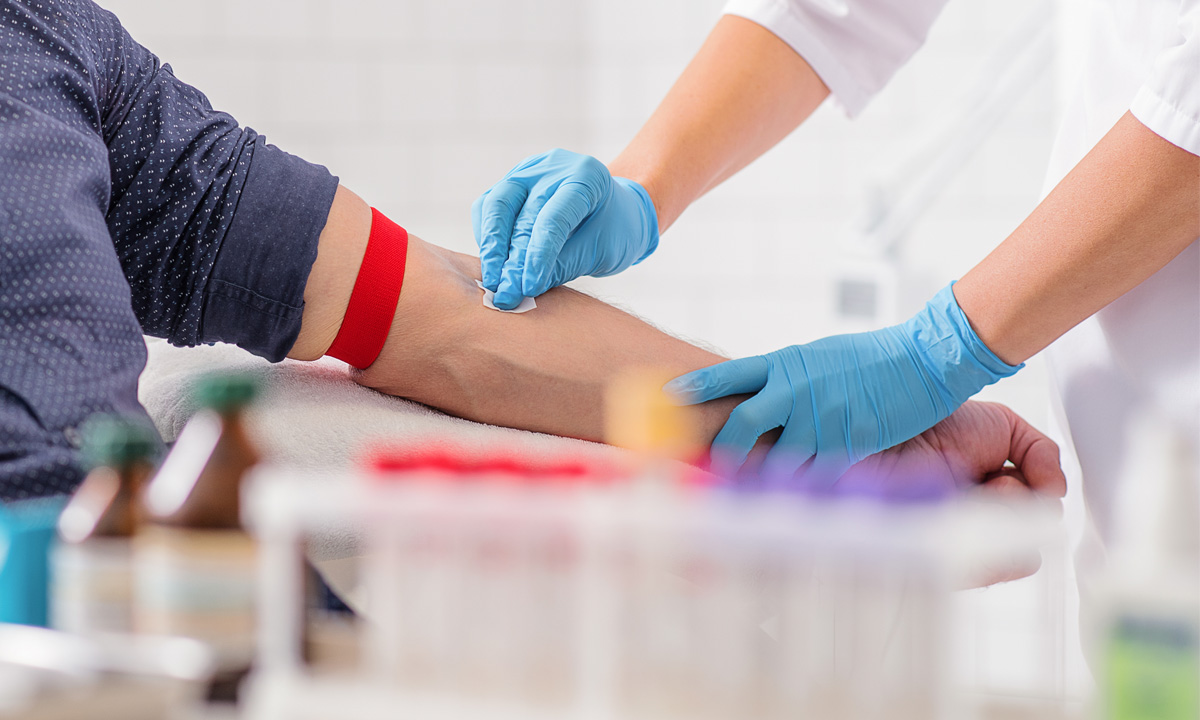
x=1171, y=122
x=777, y=17
x=255, y=295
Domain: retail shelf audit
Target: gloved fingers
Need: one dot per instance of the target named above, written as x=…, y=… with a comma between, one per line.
x=509, y=292
x=796, y=446
x=498, y=211
x=826, y=468
x=732, y=377
x=748, y=421
x=561, y=215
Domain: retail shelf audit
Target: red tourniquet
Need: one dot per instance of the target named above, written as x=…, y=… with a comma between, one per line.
x=375, y=294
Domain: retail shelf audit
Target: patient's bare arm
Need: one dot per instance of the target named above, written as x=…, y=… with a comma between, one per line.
x=547, y=370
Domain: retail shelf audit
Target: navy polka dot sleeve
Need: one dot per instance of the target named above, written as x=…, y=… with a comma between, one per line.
x=127, y=205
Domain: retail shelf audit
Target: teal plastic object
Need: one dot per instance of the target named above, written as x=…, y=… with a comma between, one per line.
x=27, y=533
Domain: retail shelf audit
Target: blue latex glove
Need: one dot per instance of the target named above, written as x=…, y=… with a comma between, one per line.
x=844, y=398
x=555, y=217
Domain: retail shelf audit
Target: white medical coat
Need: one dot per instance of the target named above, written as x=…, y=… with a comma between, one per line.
x=1143, y=350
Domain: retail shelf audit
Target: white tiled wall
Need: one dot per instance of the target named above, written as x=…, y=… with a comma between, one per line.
x=419, y=105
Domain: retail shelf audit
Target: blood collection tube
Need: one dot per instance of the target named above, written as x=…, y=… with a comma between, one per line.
x=411, y=570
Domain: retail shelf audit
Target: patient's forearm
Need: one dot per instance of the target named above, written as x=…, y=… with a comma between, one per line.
x=545, y=370
x=340, y=251
x=548, y=370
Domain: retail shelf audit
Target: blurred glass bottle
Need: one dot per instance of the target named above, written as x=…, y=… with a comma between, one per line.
x=92, y=571
x=661, y=578
x=1148, y=633
x=195, y=565
x=26, y=537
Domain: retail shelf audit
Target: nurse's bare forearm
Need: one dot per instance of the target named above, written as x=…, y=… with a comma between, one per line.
x=743, y=92
x=1129, y=208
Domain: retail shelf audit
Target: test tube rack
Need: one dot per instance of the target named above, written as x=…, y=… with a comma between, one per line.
x=489, y=596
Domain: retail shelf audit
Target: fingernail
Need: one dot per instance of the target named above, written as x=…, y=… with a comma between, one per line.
x=679, y=386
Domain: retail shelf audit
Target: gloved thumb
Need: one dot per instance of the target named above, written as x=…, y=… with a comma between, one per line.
x=733, y=377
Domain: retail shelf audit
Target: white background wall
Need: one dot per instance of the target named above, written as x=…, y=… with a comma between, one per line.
x=419, y=105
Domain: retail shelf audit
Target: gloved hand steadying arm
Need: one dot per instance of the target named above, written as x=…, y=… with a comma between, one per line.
x=555, y=217
x=844, y=398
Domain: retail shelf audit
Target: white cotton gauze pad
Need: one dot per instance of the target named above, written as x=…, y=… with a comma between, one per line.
x=489, y=298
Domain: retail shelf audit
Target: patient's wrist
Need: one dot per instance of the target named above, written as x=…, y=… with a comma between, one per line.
x=546, y=370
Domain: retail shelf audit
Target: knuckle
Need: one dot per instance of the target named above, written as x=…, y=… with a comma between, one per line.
x=598, y=175
x=504, y=207
x=590, y=192
x=557, y=227
x=529, y=162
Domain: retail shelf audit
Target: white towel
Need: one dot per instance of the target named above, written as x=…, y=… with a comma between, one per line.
x=312, y=415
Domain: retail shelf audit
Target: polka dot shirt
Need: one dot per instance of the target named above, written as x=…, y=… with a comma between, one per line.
x=127, y=206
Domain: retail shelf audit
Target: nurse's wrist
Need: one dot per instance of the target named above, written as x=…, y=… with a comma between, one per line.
x=986, y=323
x=653, y=183
x=941, y=335
x=648, y=214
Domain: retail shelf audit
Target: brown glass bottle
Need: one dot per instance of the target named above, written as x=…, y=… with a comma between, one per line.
x=93, y=565
x=199, y=484
x=195, y=565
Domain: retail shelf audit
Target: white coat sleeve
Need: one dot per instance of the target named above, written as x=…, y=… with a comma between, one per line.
x=855, y=46
x=1169, y=101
